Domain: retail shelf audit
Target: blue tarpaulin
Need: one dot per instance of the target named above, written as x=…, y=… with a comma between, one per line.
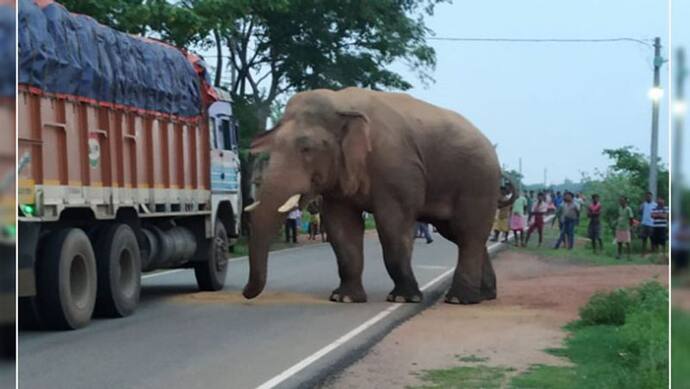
x=74, y=55
x=7, y=49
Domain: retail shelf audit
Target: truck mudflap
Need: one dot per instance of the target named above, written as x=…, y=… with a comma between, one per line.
x=29, y=233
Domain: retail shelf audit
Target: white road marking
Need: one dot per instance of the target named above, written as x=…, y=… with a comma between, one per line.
x=299, y=366
x=432, y=267
x=161, y=273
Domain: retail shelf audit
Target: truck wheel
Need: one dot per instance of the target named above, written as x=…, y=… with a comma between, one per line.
x=210, y=274
x=7, y=341
x=119, y=271
x=66, y=276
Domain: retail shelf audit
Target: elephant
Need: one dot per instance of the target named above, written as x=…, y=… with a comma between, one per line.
x=399, y=158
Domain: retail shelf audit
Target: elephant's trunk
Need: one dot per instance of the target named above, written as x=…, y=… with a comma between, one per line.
x=266, y=218
x=265, y=224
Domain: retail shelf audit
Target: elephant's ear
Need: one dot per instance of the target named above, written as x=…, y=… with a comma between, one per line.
x=356, y=144
x=262, y=143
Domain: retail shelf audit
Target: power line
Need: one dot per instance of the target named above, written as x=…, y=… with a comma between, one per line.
x=545, y=40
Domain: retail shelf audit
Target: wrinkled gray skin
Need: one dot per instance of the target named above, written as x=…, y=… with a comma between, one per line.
x=396, y=157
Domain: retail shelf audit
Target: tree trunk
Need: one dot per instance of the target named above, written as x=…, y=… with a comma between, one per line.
x=219, y=58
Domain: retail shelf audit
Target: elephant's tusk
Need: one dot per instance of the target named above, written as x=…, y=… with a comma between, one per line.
x=252, y=206
x=291, y=203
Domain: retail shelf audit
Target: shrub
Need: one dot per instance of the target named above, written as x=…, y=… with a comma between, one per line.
x=612, y=308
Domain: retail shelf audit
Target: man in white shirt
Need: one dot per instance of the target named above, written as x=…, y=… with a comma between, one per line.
x=646, y=220
x=291, y=225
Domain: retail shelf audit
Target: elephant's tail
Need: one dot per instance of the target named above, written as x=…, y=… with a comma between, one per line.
x=504, y=202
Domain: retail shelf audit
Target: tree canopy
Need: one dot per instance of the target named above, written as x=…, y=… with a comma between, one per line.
x=267, y=49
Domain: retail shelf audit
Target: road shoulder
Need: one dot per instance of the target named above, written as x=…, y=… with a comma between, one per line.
x=536, y=299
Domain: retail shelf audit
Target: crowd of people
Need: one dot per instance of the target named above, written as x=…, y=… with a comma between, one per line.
x=527, y=214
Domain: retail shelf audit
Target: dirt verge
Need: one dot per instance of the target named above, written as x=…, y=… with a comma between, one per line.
x=536, y=299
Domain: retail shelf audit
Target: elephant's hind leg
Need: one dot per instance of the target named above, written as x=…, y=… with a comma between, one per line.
x=396, y=231
x=488, y=286
x=474, y=279
x=346, y=233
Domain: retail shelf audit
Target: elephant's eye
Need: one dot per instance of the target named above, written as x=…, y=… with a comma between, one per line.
x=304, y=145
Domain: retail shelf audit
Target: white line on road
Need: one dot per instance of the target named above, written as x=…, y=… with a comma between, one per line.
x=431, y=267
x=299, y=366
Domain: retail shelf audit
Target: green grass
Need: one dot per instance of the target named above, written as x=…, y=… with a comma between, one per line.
x=471, y=358
x=619, y=341
x=241, y=248
x=545, y=377
x=476, y=377
x=369, y=223
x=582, y=250
x=680, y=348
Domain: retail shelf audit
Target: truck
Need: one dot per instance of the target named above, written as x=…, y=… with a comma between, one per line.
x=132, y=166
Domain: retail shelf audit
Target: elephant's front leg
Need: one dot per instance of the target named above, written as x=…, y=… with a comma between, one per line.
x=396, y=231
x=345, y=228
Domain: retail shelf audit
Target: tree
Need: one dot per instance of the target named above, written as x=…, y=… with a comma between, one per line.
x=626, y=176
x=515, y=177
x=278, y=47
x=610, y=186
x=629, y=162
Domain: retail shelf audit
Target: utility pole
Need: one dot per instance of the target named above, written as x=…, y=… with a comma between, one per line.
x=655, y=94
x=679, y=109
x=520, y=171
x=544, y=178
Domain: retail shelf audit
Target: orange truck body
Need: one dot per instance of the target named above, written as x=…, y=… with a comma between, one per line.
x=156, y=172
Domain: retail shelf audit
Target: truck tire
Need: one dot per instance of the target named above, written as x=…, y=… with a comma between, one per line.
x=66, y=275
x=210, y=274
x=7, y=344
x=29, y=316
x=118, y=261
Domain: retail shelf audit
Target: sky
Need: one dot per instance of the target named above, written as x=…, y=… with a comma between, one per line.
x=553, y=105
x=681, y=38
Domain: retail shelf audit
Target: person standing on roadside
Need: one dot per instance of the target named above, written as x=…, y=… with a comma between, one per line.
x=291, y=225
x=660, y=231
x=646, y=221
x=558, y=199
x=422, y=230
x=569, y=213
x=538, y=211
x=623, y=223
x=517, y=219
x=502, y=220
x=594, y=227
x=530, y=203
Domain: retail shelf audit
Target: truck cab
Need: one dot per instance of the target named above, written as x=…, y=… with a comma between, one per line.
x=225, y=164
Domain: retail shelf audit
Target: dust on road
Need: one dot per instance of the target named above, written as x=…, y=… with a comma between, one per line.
x=265, y=298
x=536, y=299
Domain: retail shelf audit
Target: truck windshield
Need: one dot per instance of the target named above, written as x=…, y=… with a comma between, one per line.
x=227, y=130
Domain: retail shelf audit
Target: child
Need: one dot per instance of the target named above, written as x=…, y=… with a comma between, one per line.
x=625, y=220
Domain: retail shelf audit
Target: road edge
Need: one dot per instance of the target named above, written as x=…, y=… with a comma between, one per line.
x=316, y=376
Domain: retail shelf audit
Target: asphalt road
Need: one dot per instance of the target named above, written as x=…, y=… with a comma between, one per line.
x=7, y=370
x=291, y=337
